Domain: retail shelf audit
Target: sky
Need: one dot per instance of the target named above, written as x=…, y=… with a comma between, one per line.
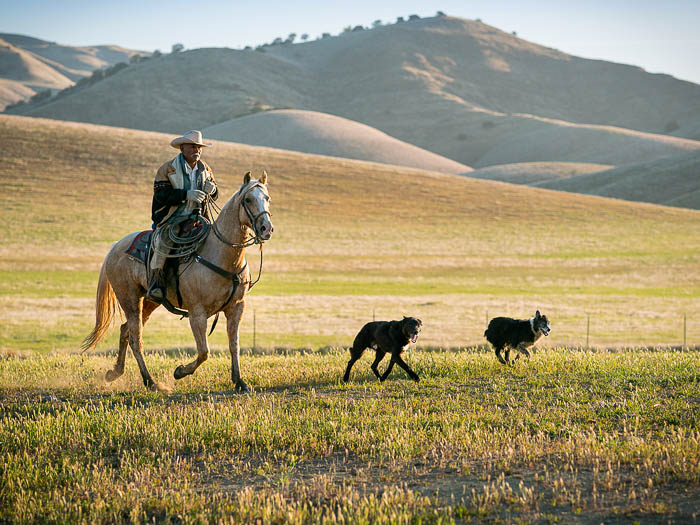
x=661, y=37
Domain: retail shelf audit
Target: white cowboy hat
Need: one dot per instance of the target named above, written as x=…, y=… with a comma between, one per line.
x=191, y=137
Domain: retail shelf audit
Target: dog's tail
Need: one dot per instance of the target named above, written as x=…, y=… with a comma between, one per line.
x=106, y=306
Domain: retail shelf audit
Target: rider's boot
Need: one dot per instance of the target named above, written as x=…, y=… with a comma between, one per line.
x=156, y=292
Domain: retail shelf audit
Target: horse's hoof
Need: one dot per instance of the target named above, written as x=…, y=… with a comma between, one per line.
x=242, y=388
x=179, y=372
x=111, y=375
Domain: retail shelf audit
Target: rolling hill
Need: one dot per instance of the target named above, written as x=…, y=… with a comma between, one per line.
x=29, y=65
x=323, y=134
x=534, y=172
x=458, y=88
x=671, y=181
x=350, y=236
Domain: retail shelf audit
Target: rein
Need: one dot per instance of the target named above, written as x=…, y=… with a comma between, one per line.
x=255, y=239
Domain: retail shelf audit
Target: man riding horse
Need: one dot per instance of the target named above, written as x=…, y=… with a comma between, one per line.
x=180, y=189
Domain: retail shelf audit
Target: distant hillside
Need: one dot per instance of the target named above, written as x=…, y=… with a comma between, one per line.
x=29, y=65
x=530, y=173
x=323, y=134
x=458, y=88
x=672, y=181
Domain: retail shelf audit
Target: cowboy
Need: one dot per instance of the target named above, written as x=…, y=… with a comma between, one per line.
x=181, y=188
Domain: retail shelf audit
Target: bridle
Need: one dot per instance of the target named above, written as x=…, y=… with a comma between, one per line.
x=255, y=239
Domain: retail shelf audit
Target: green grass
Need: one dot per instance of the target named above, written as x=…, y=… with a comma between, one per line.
x=566, y=434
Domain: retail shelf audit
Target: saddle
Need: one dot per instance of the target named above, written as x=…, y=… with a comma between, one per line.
x=140, y=245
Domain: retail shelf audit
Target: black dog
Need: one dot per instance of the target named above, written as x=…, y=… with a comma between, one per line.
x=506, y=333
x=386, y=337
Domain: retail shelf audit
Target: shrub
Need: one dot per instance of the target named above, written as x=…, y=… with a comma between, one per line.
x=116, y=68
x=440, y=13
x=177, y=48
x=326, y=35
x=358, y=28
x=414, y=17
x=41, y=96
x=671, y=126
x=15, y=105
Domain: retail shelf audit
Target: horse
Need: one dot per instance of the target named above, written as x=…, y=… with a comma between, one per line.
x=216, y=281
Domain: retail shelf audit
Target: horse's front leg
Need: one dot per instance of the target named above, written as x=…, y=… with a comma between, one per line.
x=233, y=319
x=198, y=324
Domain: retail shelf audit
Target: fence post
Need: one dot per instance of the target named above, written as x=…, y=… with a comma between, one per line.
x=588, y=329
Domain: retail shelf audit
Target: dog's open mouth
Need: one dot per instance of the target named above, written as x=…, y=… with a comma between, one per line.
x=414, y=338
x=545, y=331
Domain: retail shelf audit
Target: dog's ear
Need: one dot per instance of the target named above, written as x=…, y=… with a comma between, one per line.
x=537, y=314
x=404, y=317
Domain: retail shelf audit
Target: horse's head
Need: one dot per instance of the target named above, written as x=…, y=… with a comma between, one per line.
x=255, y=206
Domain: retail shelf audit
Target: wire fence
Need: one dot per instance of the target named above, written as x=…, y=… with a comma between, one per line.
x=588, y=330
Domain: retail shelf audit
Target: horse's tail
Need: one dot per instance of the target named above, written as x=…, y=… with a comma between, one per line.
x=106, y=307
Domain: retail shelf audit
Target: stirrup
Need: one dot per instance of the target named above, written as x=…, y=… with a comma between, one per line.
x=156, y=293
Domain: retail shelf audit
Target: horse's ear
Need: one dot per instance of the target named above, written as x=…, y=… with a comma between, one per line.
x=246, y=177
x=263, y=179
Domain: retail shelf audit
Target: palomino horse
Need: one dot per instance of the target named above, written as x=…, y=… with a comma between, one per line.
x=204, y=291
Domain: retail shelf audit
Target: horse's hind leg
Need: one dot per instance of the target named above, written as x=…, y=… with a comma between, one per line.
x=118, y=370
x=198, y=324
x=134, y=326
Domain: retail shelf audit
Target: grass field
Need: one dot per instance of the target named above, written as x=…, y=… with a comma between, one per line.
x=570, y=437
x=573, y=436
x=351, y=240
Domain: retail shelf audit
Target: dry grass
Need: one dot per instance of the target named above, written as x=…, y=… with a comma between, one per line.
x=568, y=437
x=350, y=239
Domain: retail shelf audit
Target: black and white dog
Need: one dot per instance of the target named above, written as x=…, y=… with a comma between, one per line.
x=505, y=333
x=385, y=337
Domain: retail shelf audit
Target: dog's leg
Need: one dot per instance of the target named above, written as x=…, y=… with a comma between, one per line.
x=388, y=369
x=346, y=377
x=354, y=356
x=407, y=368
x=377, y=360
x=498, y=355
x=523, y=349
x=508, y=355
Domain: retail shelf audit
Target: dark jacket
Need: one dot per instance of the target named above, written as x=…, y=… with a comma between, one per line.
x=169, y=191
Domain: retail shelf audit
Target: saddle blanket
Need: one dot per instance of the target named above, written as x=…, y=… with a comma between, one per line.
x=139, y=246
